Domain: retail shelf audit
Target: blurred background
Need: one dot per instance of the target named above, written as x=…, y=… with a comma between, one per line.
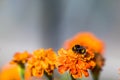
x=33, y=24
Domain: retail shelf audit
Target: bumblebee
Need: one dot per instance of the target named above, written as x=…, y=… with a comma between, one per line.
x=79, y=49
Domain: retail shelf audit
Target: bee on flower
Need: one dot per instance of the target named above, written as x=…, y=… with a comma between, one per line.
x=96, y=46
x=76, y=60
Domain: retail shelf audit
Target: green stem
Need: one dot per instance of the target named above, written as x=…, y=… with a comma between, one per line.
x=22, y=71
x=95, y=77
x=72, y=78
x=50, y=77
x=95, y=73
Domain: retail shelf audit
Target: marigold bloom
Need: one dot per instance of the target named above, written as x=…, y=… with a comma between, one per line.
x=27, y=74
x=11, y=72
x=42, y=60
x=77, y=64
x=86, y=39
x=89, y=41
x=20, y=58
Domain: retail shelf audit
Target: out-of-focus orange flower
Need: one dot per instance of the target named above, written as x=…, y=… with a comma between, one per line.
x=87, y=40
x=100, y=60
x=42, y=60
x=27, y=74
x=76, y=63
x=10, y=72
x=20, y=58
x=119, y=70
x=119, y=73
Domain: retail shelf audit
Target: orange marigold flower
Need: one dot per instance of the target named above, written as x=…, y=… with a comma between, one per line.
x=20, y=58
x=11, y=72
x=89, y=41
x=42, y=60
x=74, y=62
x=86, y=39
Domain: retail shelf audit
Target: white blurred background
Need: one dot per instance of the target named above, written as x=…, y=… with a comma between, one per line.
x=33, y=24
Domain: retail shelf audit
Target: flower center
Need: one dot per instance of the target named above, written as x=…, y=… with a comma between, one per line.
x=79, y=49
